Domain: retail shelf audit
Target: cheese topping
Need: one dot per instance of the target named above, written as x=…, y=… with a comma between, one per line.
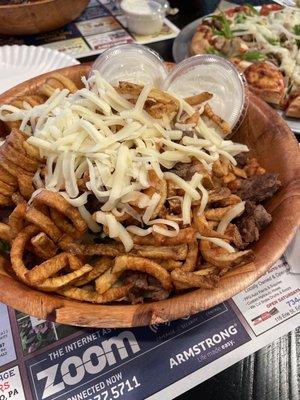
x=276, y=33
x=98, y=136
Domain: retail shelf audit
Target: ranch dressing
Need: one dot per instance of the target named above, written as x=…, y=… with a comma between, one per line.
x=144, y=17
x=214, y=75
x=141, y=7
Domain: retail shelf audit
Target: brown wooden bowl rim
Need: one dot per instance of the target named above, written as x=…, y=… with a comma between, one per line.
x=24, y=5
x=67, y=311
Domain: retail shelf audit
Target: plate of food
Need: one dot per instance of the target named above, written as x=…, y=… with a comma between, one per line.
x=262, y=42
x=121, y=206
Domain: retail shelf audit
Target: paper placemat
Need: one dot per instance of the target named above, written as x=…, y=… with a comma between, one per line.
x=102, y=25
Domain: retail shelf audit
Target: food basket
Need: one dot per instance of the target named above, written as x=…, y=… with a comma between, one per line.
x=274, y=145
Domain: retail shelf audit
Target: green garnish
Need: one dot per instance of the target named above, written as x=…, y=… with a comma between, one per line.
x=253, y=55
x=272, y=41
x=4, y=246
x=240, y=18
x=212, y=50
x=252, y=9
x=225, y=31
x=296, y=29
x=238, y=30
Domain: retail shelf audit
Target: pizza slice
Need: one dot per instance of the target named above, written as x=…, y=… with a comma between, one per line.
x=266, y=81
x=200, y=43
x=293, y=100
x=266, y=9
x=293, y=108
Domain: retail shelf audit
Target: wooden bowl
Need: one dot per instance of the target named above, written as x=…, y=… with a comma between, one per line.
x=277, y=150
x=38, y=16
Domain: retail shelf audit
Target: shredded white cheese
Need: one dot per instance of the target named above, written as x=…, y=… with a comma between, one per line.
x=236, y=211
x=218, y=242
x=100, y=138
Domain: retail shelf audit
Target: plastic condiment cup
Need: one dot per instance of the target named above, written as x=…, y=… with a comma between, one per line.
x=144, y=17
x=213, y=74
x=133, y=63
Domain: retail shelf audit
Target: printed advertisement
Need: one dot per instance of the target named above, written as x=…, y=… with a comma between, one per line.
x=44, y=360
x=271, y=300
x=108, y=363
x=7, y=348
x=100, y=26
x=11, y=387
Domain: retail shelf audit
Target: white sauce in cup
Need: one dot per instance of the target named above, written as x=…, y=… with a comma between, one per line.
x=214, y=75
x=144, y=17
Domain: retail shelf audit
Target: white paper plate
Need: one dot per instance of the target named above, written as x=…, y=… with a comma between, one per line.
x=20, y=63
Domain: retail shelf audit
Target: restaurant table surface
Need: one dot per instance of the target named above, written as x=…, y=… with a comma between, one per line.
x=271, y=373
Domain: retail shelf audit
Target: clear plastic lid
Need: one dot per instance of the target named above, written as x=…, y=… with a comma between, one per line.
x=214, y=74
x=133, y=63
x=165, y=4
x=142, y=8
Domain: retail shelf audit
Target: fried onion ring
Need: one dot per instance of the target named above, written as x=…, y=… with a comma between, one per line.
x=141, y=264
x=112, y=294
x=157, y=186
x=198, y=98
x=178, y=252
x=18, y=248
x=202, y=226
x=169, y=265
x=25, y=185
x=58, y=282
x=7, y=178
x=107, y=280
x=6, y=189
x=16, y=219
x=191, y=258
x=5, y=201
x=99, y=268
x=223, y=125
x=216, y=214
x=60, y=204
x=43, y=246
x=44, y=223
x=5, y=232
x=186, y=235
x=192, y=280
x=110, y=250
x=21, y=160
x=221, y=259
x=48, y=268
x=63, y=224
x=74, y=262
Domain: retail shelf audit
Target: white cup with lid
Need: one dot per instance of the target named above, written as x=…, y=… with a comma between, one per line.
x=144, y=17
x=213, y=74
x=133, y=63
